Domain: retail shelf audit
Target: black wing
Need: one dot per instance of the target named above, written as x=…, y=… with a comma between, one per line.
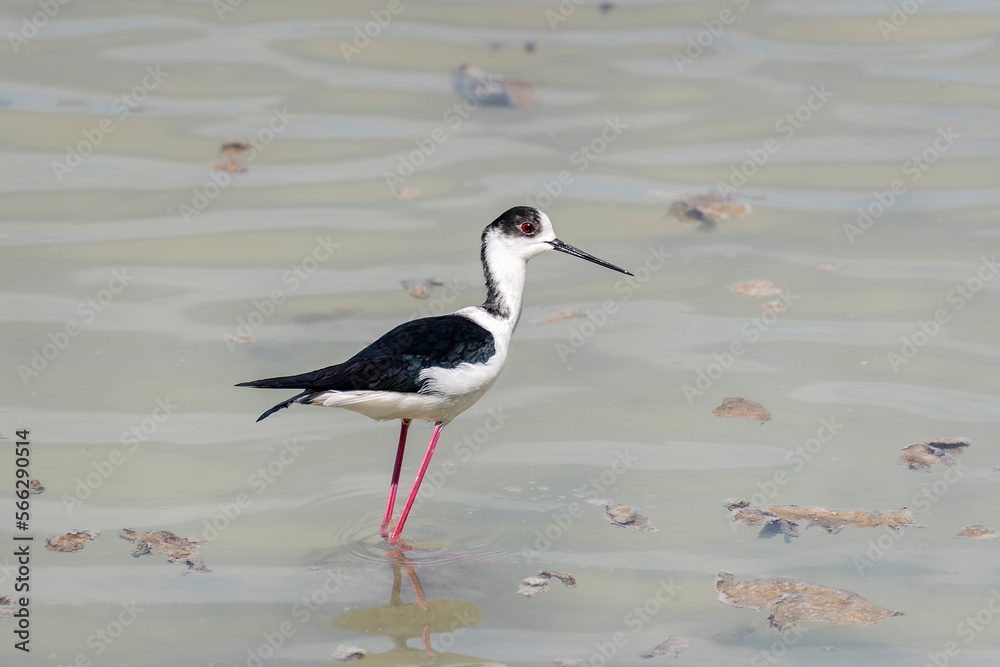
x=394, y=361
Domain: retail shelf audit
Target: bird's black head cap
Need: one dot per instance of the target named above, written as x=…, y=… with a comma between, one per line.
x=517, y=221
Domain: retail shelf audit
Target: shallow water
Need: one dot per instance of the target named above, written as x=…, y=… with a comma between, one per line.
x=147, y=289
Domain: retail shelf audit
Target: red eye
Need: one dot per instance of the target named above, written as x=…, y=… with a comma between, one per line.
x=528, y=228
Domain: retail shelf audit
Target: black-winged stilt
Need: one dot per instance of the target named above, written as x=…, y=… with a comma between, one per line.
x=435, y=368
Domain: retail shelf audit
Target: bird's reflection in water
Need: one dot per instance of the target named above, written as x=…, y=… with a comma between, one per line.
x=402, y=621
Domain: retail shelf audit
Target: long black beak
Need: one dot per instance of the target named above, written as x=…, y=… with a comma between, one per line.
x=576, y=252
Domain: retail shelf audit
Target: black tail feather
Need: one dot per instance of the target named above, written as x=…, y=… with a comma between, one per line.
x=279, y=406
x=290, y=382
x=270, y=412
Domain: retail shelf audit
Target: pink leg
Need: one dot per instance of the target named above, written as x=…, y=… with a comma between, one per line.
x=426, y=640
x=394, y=484
x=416, y=482
x=418, y=590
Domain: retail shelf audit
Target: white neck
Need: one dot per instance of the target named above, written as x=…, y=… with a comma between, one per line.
x=505, y=274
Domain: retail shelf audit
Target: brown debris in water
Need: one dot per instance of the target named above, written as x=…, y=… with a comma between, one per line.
x=408, y=192
x=239, y=339
x=671, y=648
x=74, y=540
x=36, y=487
x=755, y=288
x=843, y=607
x=533, y=585
x=540, y=582
x=420, y=288
x=710, y=209
x=793, y=601
x=568, y=579
x=229, y=154
x=922, y=455
x=177, y=549
x=737, y=406
x=471, y=82
x=232, y=166
x=833, y=521
x=784, y=519
x=565, y=314
x=627, y=517
x=770, y=524
x=344, y=653
x=978, y=531
x=233, y=148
